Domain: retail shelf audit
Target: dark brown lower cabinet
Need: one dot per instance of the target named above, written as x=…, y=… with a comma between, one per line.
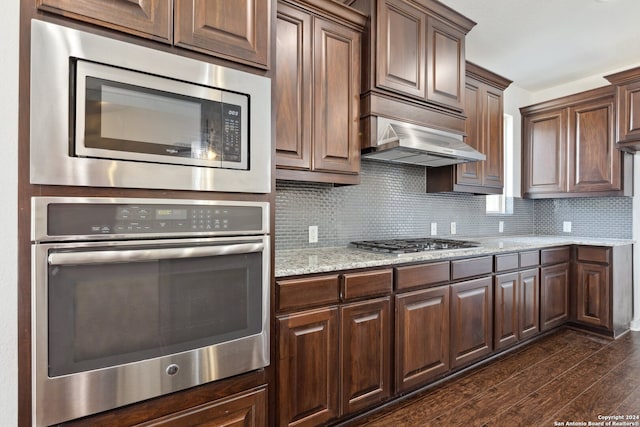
x=308, y=367
x=471, y=320
x=554, y=295
x=516, y=307
x=506, y=314
x=422, y=336
x=365, y=346
x=246, y=410
x=592, y=294
x=529, y=300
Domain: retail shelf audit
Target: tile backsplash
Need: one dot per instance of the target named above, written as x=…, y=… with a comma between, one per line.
x=607, y=217
x=391, y=202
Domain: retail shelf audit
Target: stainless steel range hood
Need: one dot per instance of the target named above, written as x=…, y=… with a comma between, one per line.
x=400, y=142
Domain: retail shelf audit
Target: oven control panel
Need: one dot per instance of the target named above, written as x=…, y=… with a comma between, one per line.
x=123, y=218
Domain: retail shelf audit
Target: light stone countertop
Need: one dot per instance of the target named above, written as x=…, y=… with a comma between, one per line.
x=321, y=260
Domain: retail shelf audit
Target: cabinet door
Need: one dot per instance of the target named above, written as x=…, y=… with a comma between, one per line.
x=471, y=320
x=293, y=88
x=151, y=19
x=544, y=153
x=365, y=342
x=422, y=336
x=493, y=135
x=594, y=160
x=445, y=64
x=529, y=303
x=554, y=295
x=401, y=32
x=629, y=115
x=471, y=173
x=506, y=319
x=308, y=367
x=246, y=410
x=336, y=143
x=238, y=30
x=593, y=294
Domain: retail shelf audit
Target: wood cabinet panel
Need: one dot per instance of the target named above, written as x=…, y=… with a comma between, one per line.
x=422, y=336
x=365, y=342
x=529, y=303
x=544, y=153
x=471, y=321
x=293, y=94
x=317, y=89
x=307, y=291
x=593, y=294
x=471, y=173
x=150, y=19
x=401, y=47
x=238, y=30
x=554, y=295
x=493, y=166
x=246, y=410
x=506, y=262
x=421, y=275
x=445, y=64
x=366, y=284
x=337, y=98
x=628, y=108
x=594, y=161
x=593, y=253
x=470, y=267
x=529, y=259
x=506, y=305
x=308, y=363
x=555, y=255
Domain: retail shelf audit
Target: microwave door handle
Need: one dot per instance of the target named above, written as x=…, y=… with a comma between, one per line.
x=134, y=255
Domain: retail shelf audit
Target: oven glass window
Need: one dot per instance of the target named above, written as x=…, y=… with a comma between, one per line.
x=108, y=314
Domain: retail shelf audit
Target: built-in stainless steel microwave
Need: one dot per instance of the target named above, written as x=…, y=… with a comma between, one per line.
x=106, y=113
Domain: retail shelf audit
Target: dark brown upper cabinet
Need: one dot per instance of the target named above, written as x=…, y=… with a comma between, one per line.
x=484, y=128
x=628, y=114
x=317, y=92
x=413, y=64
x=235, y=30
x=569, y=148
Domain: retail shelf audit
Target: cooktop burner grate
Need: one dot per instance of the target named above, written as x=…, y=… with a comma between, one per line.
x=405, y=246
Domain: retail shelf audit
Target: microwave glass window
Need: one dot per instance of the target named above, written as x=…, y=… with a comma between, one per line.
x=108, y=314
x=145, y=124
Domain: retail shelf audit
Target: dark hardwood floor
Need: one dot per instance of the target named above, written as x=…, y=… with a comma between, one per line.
x=566, y=377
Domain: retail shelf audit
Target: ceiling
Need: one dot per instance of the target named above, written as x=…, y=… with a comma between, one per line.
x=545, y=43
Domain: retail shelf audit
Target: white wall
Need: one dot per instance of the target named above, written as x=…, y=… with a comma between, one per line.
x=514, y=98
x=9, y=23
x=635, y=323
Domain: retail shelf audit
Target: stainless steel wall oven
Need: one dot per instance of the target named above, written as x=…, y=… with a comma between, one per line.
x=105, y=113
x=135, y=298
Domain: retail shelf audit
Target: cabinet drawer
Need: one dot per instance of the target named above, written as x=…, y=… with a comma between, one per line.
x=594, y=254
x=420, y=275
x=555, y=255
x=529, y=259
x=506, y=262
x=357, y=285
x=471, y=267
x=297, y=293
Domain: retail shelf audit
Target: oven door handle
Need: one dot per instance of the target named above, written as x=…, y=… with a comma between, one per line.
x=120, y=256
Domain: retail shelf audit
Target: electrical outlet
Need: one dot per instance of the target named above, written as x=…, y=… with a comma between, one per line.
x=434, y=228
x=500, y=226
x=313, y=234
x=566, y=226
x=453, y=228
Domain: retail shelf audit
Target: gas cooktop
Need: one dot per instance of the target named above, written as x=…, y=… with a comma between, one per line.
x=407, y=246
